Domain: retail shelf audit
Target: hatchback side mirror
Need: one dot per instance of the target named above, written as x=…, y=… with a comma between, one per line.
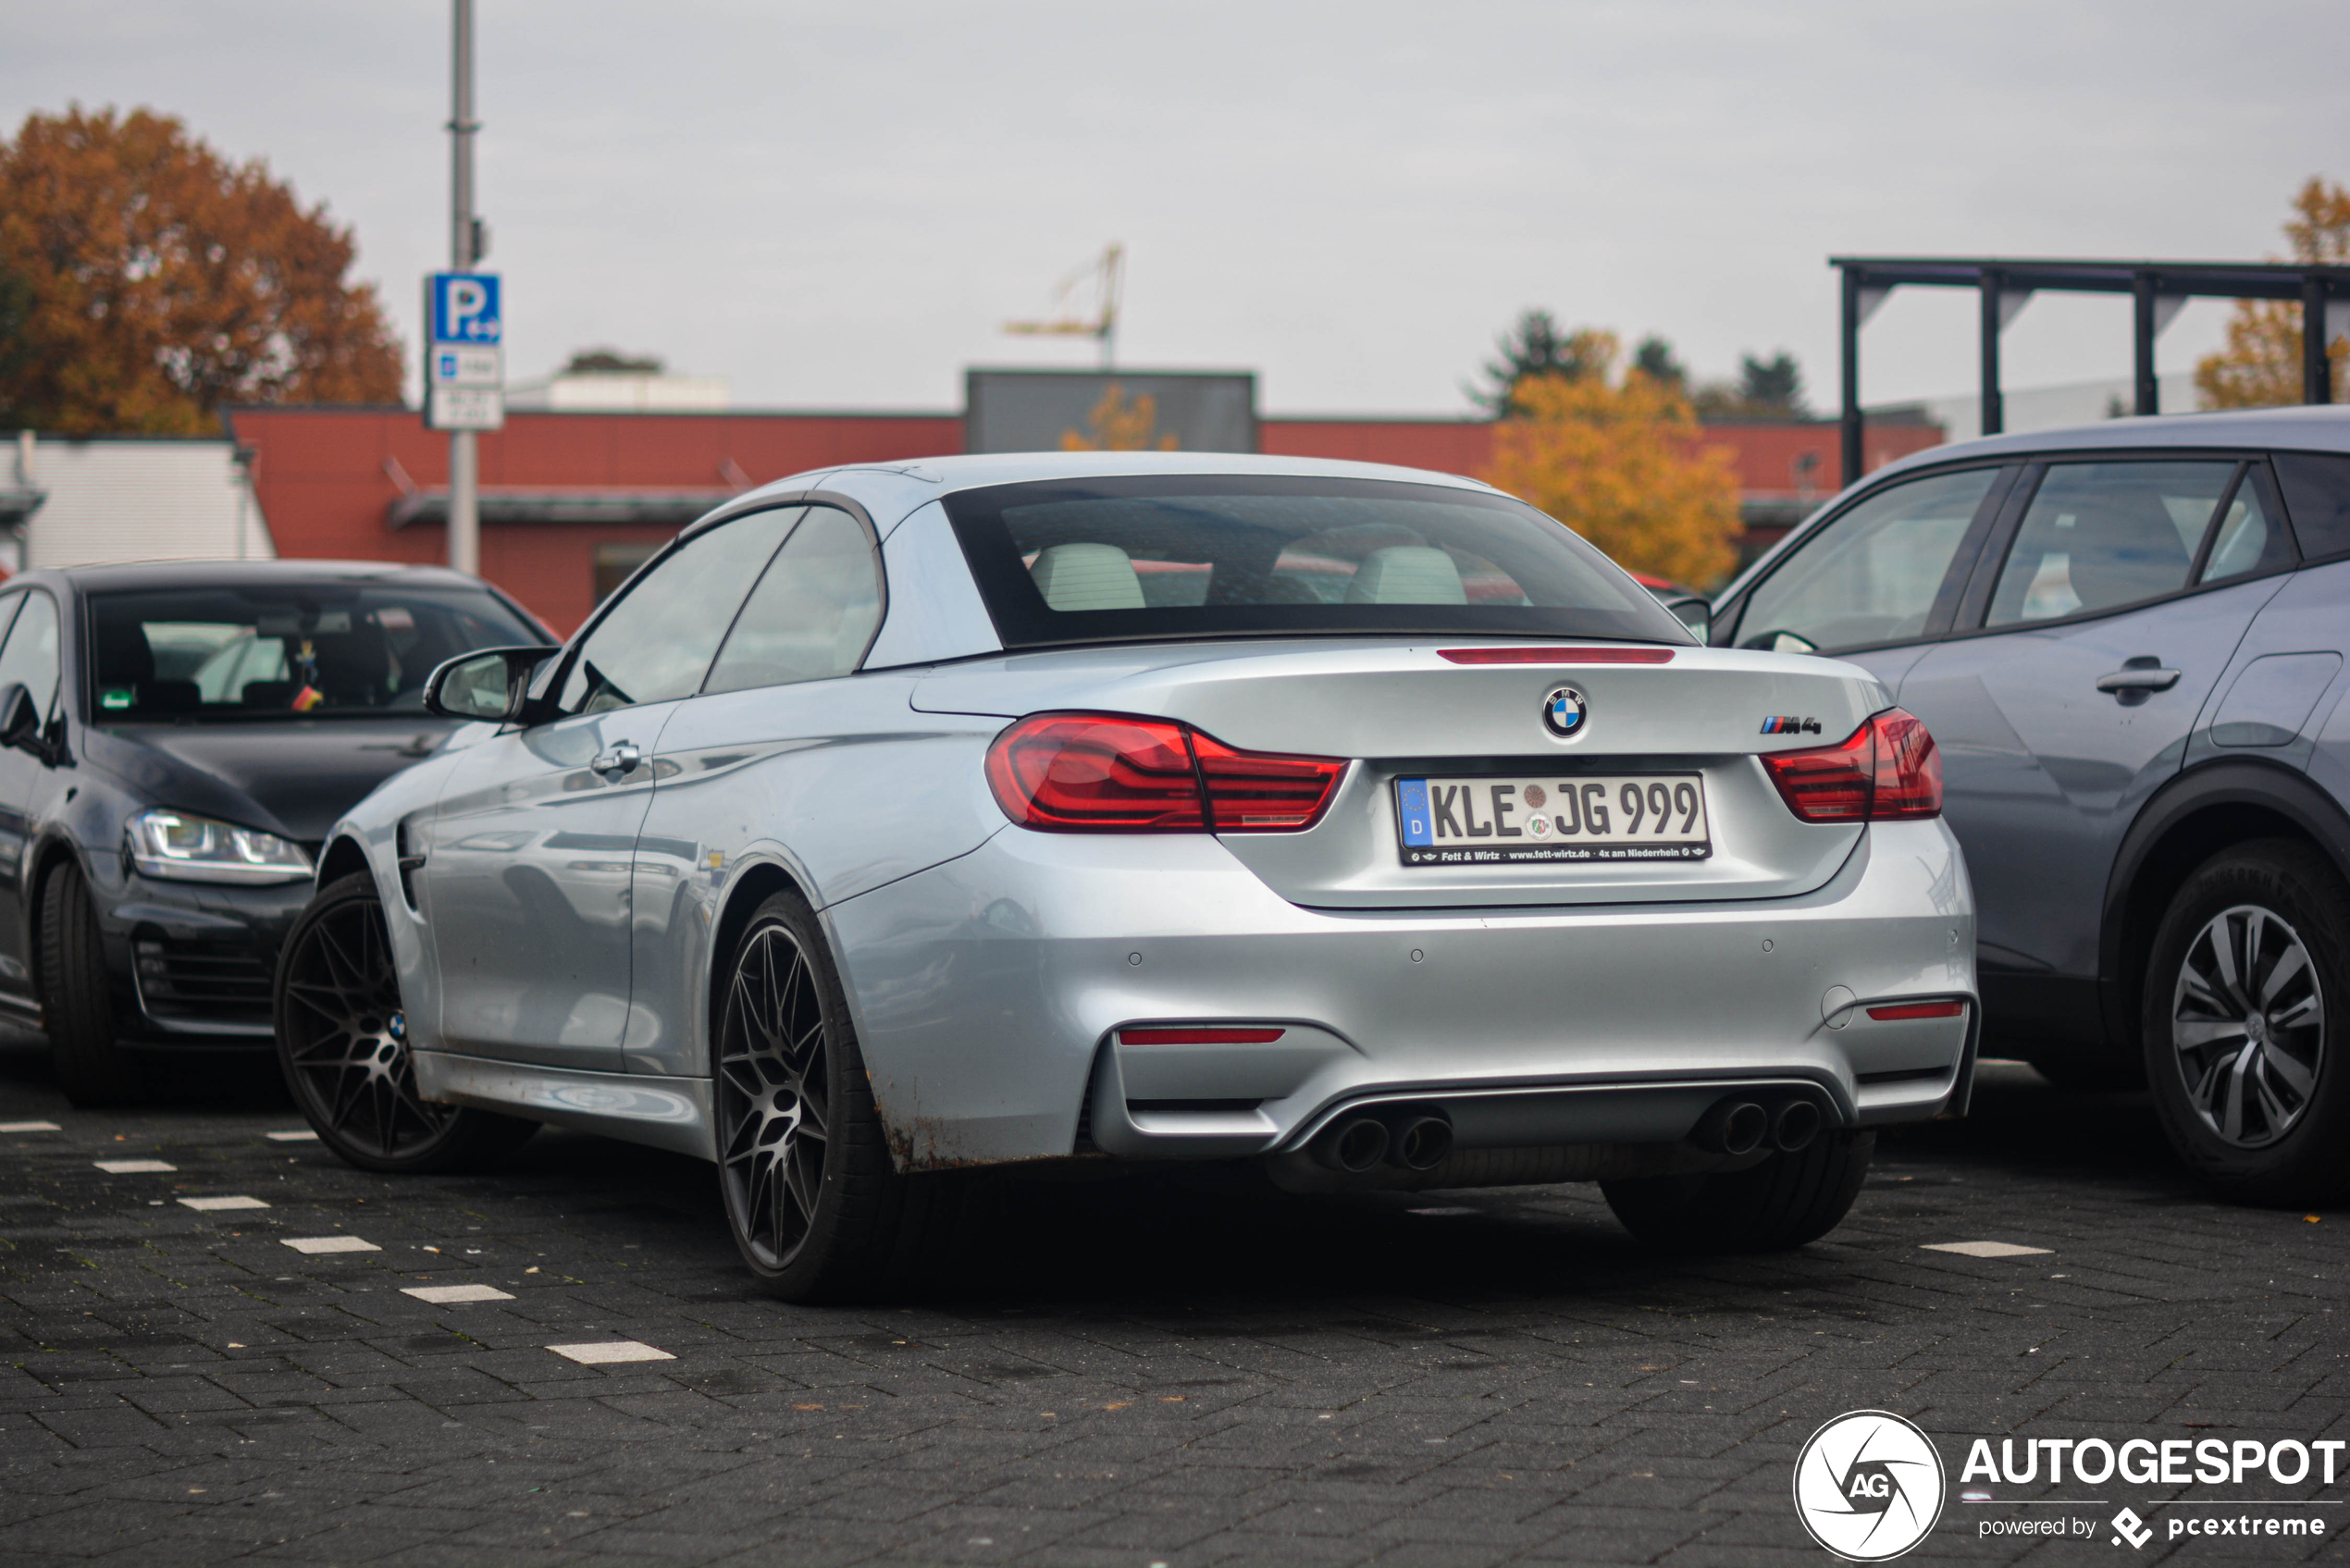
x=486, y=685
x=20, y=720
x=1696, y=614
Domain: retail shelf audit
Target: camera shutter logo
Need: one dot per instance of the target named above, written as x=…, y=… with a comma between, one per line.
x=1868, y=1486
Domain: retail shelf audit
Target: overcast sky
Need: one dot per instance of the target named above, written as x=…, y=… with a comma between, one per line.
x=837, y=205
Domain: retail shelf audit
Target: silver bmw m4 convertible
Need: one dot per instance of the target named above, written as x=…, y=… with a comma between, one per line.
x=1360, y=824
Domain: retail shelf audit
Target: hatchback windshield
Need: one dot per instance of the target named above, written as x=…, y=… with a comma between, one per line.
x=1168, y=556
x=308, y=650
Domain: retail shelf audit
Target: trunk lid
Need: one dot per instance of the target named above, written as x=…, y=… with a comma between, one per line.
x=1406, y=711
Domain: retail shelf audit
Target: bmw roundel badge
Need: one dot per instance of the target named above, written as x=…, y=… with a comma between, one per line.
x=1564, y=712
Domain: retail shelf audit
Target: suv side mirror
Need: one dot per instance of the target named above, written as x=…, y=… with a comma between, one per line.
x=20, y=720
x=1696, y=614
x=485, y=684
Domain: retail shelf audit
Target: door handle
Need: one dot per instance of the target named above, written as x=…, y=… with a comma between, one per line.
x=2137, y=677
x=623, y=757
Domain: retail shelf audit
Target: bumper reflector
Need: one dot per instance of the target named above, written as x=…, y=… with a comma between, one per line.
x=1199, y=1036
x=1900, y=1010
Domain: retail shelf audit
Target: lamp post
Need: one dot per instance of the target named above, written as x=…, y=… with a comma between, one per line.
x=464, y=249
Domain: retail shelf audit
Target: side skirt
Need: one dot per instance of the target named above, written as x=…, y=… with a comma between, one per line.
x=667, y=1113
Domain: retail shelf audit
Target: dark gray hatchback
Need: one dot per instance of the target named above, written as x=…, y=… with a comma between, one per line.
x=2128, y=641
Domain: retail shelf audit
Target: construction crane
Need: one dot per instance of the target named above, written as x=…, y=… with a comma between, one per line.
x=1108, y=277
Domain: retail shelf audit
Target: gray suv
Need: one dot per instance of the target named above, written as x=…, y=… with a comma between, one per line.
x=2127, y=640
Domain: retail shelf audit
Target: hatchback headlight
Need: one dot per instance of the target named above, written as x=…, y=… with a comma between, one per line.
x=193, y=849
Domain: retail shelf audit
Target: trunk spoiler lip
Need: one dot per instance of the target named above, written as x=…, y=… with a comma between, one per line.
x=1556, y=655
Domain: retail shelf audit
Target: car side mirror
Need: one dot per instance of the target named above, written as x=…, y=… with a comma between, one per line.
x=486, y=685
x=20, y=720
x=1696, y=614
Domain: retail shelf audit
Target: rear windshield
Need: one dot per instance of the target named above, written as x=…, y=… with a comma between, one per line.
x=314, y=651
x=1190, y=556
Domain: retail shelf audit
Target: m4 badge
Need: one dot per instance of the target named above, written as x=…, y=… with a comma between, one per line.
x=1786, y=724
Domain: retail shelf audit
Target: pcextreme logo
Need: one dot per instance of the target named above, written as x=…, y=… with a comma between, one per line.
x=1868, y=1486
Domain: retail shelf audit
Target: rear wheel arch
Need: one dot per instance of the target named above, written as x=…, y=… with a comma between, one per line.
x=2195, y=817
x=756, y=886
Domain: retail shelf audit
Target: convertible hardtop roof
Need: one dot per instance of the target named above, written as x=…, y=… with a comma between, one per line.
x=892, y=489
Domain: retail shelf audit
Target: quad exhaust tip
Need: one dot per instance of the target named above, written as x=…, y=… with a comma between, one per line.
x=1413, y=1141
x=1737, y=1126
x=1420, y=1142
x=1796, y=1123
x=1354, y=1145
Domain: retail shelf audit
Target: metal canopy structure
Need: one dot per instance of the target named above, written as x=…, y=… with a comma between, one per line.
x=2158, y=289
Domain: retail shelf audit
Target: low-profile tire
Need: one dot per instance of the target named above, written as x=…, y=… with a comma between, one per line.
x=2247, y=997
x=1784, y=1201
x=343, y=1043
x=817, y=1209
x=77, y=996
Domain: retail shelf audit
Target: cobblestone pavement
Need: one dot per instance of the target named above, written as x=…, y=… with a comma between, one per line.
x=1139, y=1376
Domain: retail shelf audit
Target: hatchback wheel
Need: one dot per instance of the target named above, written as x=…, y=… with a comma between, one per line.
x=2249, y=972
x=1784, y=1201
x=77, y=998
x=814, y=1204
x=342, y=1042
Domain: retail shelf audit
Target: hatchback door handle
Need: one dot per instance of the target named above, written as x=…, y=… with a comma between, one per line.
x=623, y=757
x=2147, y=677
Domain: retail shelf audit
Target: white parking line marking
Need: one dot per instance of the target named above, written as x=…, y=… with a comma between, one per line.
x=1985, y=1249
x=328, y=1244
x=610, y=1351
x=443, y=1295
x=211, y=1205
x=133, y=1168
x=30, y=1127
x=303, y=1136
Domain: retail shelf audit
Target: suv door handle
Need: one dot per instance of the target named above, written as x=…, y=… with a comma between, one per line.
x=2137, y=677
x=623, y=757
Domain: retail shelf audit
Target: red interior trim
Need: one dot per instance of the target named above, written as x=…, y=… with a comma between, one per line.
x=1199, y=1036
x=1556, y=655
x=1918, y=1010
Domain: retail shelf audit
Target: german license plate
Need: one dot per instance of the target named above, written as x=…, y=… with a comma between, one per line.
x=1487, y=820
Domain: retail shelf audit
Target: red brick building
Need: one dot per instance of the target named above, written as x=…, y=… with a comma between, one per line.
x=571, y=502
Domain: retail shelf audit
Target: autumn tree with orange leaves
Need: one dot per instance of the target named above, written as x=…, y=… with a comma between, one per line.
x=1620, y=462
x=2260, y=367
x=145, y=281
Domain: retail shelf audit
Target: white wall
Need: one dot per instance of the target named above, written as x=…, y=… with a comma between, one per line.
x=135, y=498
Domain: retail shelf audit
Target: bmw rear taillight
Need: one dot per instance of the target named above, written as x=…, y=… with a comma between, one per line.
x=1886, y=771
x=1108, y=773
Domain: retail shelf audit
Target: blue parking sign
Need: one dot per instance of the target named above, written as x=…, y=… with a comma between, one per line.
x=465, y=307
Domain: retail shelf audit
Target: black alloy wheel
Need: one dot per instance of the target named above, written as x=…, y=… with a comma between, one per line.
x=2245, y=990
x=816, y=1206
x=773, y=1094
x=342, y=1042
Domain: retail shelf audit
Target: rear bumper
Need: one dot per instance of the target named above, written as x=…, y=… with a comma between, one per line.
x=989, y=993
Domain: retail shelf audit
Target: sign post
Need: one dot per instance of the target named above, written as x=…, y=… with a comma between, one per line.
x=464, y=360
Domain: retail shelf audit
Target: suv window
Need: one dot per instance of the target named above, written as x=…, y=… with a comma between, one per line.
x=1872, y=574
x=2102, y=534
x=2316, y=495
x=656, y=643
x=813, y=613
x=2249, y=539
x=30, y=656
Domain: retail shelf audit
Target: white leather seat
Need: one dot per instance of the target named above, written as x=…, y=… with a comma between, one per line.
x=1406, y=574
x=1087, y=577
